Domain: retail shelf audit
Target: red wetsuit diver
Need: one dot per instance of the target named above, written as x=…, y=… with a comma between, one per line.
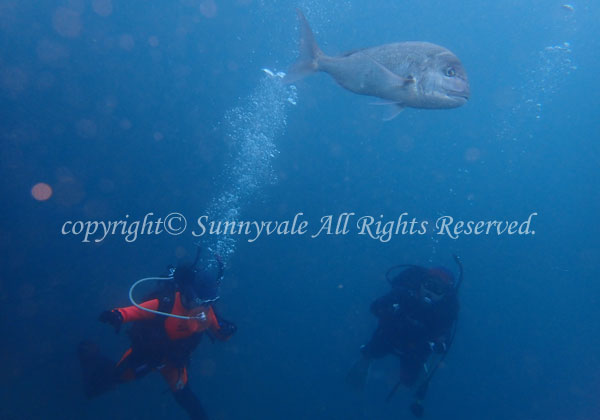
x=160, y=343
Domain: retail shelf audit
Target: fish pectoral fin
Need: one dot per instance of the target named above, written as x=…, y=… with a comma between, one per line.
x=384, y=103
x=389, y=77
x=392, y=111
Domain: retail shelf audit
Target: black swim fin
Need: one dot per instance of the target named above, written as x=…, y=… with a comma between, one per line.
x=98, y=371
x=357, y=377
x=417, y=409
x=190, y=403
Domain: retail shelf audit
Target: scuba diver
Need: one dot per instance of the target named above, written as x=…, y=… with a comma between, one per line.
x=166, y=328
x=416, y=320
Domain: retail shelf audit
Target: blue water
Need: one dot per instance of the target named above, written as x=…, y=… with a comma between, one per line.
x=130, y=108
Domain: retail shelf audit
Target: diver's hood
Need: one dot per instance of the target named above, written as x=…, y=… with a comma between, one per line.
x=198, y=287
x=206, y=288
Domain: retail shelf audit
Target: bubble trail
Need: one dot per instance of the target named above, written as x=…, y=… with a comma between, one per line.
x=552, y=66
x=252, y=128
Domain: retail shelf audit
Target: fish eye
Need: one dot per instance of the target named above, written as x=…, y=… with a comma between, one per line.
x=450, y=72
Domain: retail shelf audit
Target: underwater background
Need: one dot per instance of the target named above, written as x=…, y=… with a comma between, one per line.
x=129, y=108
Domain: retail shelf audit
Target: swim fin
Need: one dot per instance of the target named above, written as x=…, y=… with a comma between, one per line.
x=98, y=371
x=357, y=377
x=417, y=409
x=190, y=403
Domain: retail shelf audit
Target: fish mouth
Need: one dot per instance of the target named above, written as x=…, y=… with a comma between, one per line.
x=461, y=96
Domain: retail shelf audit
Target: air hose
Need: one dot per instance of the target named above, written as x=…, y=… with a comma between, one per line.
x=200, y=316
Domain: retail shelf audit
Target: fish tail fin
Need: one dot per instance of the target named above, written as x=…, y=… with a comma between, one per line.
x=310, y=53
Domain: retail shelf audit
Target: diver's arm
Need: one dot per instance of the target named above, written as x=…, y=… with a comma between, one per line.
x=133, y=313
x=220, y=328
x=444, y=331
x=386, y=306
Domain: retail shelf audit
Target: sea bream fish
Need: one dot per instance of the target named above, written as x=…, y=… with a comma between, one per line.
x=404, y=74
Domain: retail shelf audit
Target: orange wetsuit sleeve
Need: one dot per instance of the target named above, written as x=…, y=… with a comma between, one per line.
x=133, y=313
x=222, y=330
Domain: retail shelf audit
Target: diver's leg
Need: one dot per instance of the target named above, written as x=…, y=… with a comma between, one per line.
x=131, y=367
x=124, y=371
x=412, y=366
x=377, y=347
x=177, y=379
x=190, y=403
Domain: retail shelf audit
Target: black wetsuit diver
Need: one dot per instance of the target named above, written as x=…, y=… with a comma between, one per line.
x=158, y=342
x=416, y=319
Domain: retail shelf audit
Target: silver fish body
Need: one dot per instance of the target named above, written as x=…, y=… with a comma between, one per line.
x=407, y=74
